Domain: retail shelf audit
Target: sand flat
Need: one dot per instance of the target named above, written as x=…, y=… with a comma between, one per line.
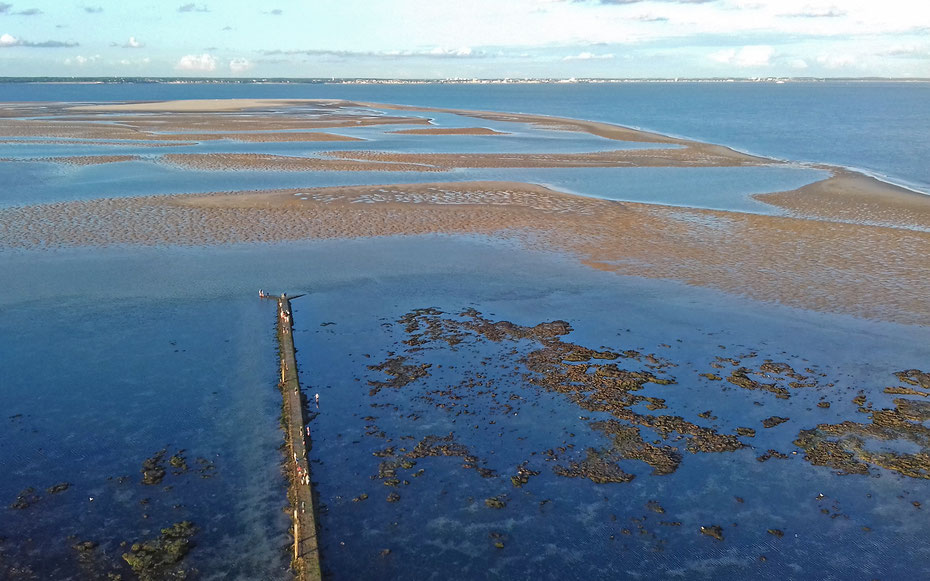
x=192, y=105
x=851, y=244
x=696, y=155
x=854, y=197
x=267, y=162
x=869, y=271
x=450, y=131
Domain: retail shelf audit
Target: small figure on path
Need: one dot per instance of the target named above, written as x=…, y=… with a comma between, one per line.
x=317, y=398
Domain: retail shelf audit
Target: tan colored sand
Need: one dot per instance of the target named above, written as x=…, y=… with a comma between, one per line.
x=297, y=136
x=82, y=159
x=450, y=131
x=242, y=114
x=697, y=155
x=853, y=197
x=606, y=130
x=264, y=162
x=191, y=106
x=814, y=259
x=870, y=271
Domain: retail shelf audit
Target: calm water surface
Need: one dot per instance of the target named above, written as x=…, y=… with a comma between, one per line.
x=110, y=355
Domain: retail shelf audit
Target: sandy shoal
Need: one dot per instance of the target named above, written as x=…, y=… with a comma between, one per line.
x=81, y=159
x=257, y=109
x=869, y=271
x=266, y=162
x=450, y=131
x=600, y=129
x=854, y=197
x=693, y=155
x=198, y=105
x=176, y=128
x=698, y=155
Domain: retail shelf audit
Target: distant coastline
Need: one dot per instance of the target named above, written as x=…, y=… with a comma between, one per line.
x=451, y=81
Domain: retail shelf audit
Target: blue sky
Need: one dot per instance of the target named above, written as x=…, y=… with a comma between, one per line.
x=465, y=38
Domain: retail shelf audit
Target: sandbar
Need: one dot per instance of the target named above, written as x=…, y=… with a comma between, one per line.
x=853, y=197
x=450, y=131
x=868, y=271
x=266, y=162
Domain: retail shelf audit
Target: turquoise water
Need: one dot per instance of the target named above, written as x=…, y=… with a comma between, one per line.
x=110, y=355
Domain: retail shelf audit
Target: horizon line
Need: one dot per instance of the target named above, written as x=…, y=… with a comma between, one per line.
x=331, y=79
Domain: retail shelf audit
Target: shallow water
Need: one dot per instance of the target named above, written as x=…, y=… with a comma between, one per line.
x=110, y=355
x=878, y=127
x=116, y=391
x=574, y=528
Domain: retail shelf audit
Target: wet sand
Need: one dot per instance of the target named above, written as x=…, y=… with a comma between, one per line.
x=852, y=244
x=257, y=161
x=696, y=155
x=853, y=197
x=82, y=159
x=450, y=131
x=869, y=271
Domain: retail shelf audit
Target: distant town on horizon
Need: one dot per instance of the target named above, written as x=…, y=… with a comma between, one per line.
x=475, y=80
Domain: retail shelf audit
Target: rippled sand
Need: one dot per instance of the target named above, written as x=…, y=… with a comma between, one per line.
x=851, y=244
x=450, y=131
x=856, y=198
x=871, y=271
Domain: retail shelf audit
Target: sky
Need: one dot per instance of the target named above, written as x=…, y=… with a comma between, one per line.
x=466, y=38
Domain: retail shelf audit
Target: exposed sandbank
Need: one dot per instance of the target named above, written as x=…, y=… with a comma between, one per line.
x=450, y=131
x=81, y=159
x=854, y=197
x=846, y=248
x=198, y=105
x=871, y=271
x=696, y=155
x=264, y=162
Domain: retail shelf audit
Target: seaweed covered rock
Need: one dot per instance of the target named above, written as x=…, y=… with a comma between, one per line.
x=715, y=531
x=160, y=558
x=153, y=469
x=25, y=499
x=598, y=467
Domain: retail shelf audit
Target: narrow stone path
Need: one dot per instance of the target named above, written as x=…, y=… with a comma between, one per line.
x=306, y=555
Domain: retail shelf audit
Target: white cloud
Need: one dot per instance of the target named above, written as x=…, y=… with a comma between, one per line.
x=133, y=43
x=197, y=62
x=907, y=50
x=81, y=60
x=136, y=62
x=588, y=56
x=463, y=51
x=239, y=65
x=836, y=60
x=747, y=56
x=8, y=40
x=809, y=11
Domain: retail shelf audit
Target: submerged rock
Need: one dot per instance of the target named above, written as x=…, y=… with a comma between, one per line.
x=25, y=499
x=498, y=502
x=715, y=531
x=153, y=469
x=60, y=487
x=159, y=558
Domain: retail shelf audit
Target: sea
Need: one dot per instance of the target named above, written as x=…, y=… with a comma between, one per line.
x=112, y=358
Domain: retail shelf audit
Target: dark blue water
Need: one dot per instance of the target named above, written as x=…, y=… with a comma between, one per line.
x=477, y=393
x=883, y=128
